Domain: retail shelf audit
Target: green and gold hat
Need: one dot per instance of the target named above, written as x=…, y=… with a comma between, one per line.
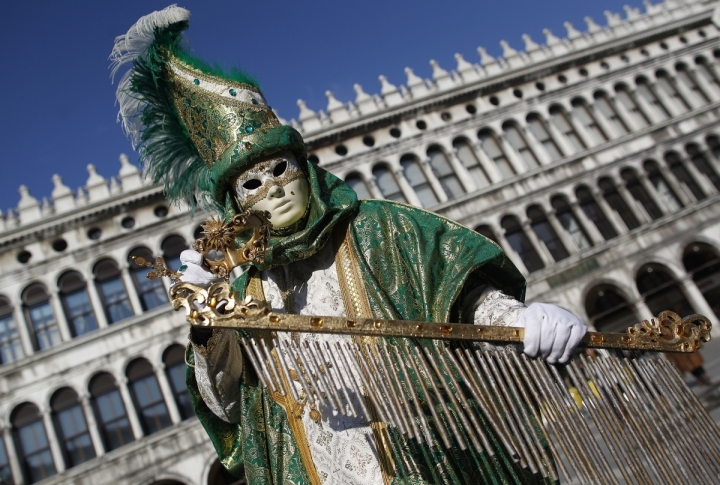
x=196, y=126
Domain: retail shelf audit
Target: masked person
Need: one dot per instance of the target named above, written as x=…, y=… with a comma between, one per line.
x=210, y=137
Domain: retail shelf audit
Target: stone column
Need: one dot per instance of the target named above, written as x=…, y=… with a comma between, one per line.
x=509, y=251
x=612, y=216
x=639, y=212
x=131, y=290
x=562, y=141
x=373, y=188
x=567, y=241
x=675, y=185
x=625, y=115
x=168, y=395
x=15, y=468
x=652, y=192
x=700, y=178
x=92, y=425
x=581, y=131
x=666, y=100
x=487, y=164
x=643, y=310
x=96, y=302
x=645, y=106
x=23, y=325
x=604, y=123
x=433, y=180
x=130, y=409
x=705, y=87
x=517, y=163
x=59, y=312
x=462, y=173
x=536, y=147
x=688, y=95
x=698, y=302
x=589, y=226
x=405, y=186
x=540, y=247
x=53, y=441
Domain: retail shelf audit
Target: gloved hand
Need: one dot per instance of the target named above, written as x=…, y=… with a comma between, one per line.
x=194, y=272
x=551, y=332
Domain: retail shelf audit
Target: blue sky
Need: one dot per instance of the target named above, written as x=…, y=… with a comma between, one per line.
x=59, y=113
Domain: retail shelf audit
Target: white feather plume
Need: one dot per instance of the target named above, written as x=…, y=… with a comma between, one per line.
x=133, y=44
x=126, y=49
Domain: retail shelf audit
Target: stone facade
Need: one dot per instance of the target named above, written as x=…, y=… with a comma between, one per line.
x=593, y=160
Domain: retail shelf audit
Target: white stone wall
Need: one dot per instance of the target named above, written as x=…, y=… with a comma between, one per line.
x=355, y=139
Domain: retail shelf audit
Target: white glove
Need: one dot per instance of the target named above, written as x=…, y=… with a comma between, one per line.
x=194, y=272
x=550, y=332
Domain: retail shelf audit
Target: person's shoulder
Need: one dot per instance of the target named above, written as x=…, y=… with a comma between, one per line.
x=374, y=207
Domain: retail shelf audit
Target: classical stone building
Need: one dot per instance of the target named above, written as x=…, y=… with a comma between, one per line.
x=593, y=160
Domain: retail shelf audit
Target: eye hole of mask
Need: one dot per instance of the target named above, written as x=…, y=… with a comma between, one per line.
x=280, y=169
x=252, y=184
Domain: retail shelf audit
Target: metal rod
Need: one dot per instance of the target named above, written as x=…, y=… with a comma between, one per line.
x=283, y=365
x=351, y=377
x=271, y=364
x=381, y=382
x=256, y=365
x=337, y=374
x=323, y=378
x=396, y=386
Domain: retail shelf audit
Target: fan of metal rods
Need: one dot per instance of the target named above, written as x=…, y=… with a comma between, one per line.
x=610, y=418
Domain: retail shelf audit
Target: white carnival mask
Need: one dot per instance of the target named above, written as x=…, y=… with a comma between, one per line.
x=278, y=186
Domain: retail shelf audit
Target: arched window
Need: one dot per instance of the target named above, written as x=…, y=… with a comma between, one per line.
x=110, y=412
x=704, y=70
x=443, y=171
x=470, y=161
x=593, y=212
x=641, y=195
x=5, y=470
x=491, y=147
x=387, y=184
x=605, y=105
x=562, y=122
x=569, y=222
x=714, y=145
x=112, y=291
x=667, y=84
x=702, y=262
x=40, y=316
x=71, y=428
x=609, y=310
x=10, y=344
x=540, y=131
x=678, y=169
x=517, y=141
x=661, y=292
x=546, y=233
x=582, y=113
x=171, y=247
x=148, y=399
x=419, y=183
x=687, y=78
x=33, y=447
x=174, y=360
x=622, y=93
x=521, y=243
x=618, y=204
x=151, y=292
x=487, y=231
x=76, y=303
x=648, y=94
x=356, y=182
x=702, y=164
x=656, y=178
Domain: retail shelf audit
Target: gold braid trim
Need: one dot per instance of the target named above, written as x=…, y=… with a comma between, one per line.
x=293, y=408
x=358, y=306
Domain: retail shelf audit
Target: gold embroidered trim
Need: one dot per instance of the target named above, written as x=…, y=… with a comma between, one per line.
x=357, y=306
x=293, y=409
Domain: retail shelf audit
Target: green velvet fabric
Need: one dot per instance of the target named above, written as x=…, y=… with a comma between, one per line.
x=416, y=265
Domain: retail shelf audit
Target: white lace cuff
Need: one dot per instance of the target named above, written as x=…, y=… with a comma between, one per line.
x=493, y=307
